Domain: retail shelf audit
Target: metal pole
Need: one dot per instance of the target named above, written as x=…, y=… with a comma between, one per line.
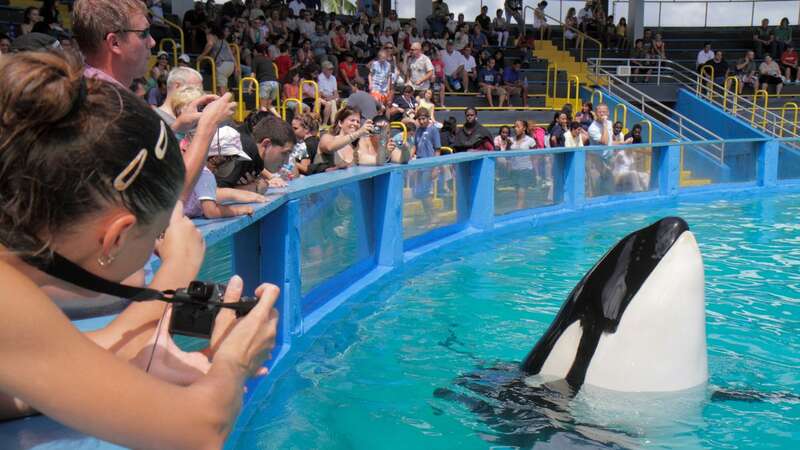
x=752, y=13
x=659, y=14
x=705, y=22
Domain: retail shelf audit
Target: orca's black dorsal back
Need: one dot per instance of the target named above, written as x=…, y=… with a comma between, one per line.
x=599, y=300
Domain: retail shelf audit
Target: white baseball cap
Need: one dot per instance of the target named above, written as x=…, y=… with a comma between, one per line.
x=227, y=142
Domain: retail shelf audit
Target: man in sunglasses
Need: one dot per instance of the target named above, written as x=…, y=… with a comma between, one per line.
x=114, y=37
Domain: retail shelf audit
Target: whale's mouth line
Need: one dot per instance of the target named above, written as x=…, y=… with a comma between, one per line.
x=600, y=299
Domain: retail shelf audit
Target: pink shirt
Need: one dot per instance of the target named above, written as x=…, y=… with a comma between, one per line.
x=94, y=72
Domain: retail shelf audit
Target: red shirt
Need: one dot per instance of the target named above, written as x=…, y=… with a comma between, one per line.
x=438, y=68
x=284, y=63
x=789, y=58
x=349, y=70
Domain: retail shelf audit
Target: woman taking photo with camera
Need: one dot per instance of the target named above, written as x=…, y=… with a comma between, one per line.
x=349, y=142
x=89, y=173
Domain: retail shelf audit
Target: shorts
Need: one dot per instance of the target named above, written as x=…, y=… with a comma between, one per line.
x=268, y=89
x=224, y=71
x=379, y=97
x=521, y=179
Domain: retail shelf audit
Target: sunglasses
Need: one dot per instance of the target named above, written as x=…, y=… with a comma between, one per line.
x=143, y=34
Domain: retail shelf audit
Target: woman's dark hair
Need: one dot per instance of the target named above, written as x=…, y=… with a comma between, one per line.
x=343, y=114
x=26, y=17
x=574, y=125
x=69, y=148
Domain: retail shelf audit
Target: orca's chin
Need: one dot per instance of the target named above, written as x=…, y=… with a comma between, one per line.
x=636, y=321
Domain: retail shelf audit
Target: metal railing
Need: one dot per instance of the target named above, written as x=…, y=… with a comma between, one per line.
x=653, y=109
x=725, y=96
x=581, y=37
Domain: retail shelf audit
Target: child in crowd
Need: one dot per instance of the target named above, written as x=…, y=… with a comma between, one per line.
x=205, y=198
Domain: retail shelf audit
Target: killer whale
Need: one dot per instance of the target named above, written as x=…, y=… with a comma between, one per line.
x=633, y=327
x=635, y=322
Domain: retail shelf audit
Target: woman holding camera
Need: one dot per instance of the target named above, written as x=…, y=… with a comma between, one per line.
x=89, y=172
x=349, y=143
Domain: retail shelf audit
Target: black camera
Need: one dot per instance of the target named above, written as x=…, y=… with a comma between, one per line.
x=196, y=307
x=378, y=128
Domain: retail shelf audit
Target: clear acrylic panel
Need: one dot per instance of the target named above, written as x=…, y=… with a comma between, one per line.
x=789, y=161
x=623, y=171
x=702, y=165
x=429, y=199
x=336, y=232
x=729, y=14
x=524, y=182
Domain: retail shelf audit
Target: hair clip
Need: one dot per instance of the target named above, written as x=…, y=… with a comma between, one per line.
x=161, y=145
x=129, y=174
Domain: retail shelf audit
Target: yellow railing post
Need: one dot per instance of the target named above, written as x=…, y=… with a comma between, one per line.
x=577, y=92
x=401, y=126
x=625, y=116
x=649, y=156
x=288, y=100
x=735, y=83
x=316, y=93
x=785, y=107
x=174, y=50
x=758, y=93
x=710, y=84
x=555, y=81
x=241, y=106
x=237, y=56
x=213, y=71
x=444, y=150
x=599, y=94
x=180, y=33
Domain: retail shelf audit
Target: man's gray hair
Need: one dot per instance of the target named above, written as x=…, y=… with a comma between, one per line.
x=180, y=76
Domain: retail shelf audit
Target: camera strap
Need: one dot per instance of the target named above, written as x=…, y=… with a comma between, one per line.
x=66, y=270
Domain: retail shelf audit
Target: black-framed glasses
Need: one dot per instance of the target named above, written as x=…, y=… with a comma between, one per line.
x=143, y=34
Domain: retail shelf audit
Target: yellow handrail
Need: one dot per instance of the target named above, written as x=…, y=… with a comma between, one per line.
x=316, y=93
x=735, y=94
x=401, y=126
x=766, y=103
x=783, y=113
x=710, y=86
x=240, y=114
x=649, y=130
x=238, y=58
x=174, y=50
x=213, y=71
x=625, y=116
x=648, y=162
x=599, y=94
x=286, y=101
x=180, y=33
x=554, y=66
x=577, y=89
x=581, y=40
x=444, y=150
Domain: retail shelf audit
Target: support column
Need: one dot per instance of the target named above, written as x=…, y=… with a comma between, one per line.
x=423, y=9
x=635, y=20
x=767, y=165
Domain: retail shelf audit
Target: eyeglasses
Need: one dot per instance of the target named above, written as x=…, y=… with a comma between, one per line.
x=143, y=34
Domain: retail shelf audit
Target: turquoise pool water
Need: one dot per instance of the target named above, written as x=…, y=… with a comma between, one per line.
x=367, y=380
